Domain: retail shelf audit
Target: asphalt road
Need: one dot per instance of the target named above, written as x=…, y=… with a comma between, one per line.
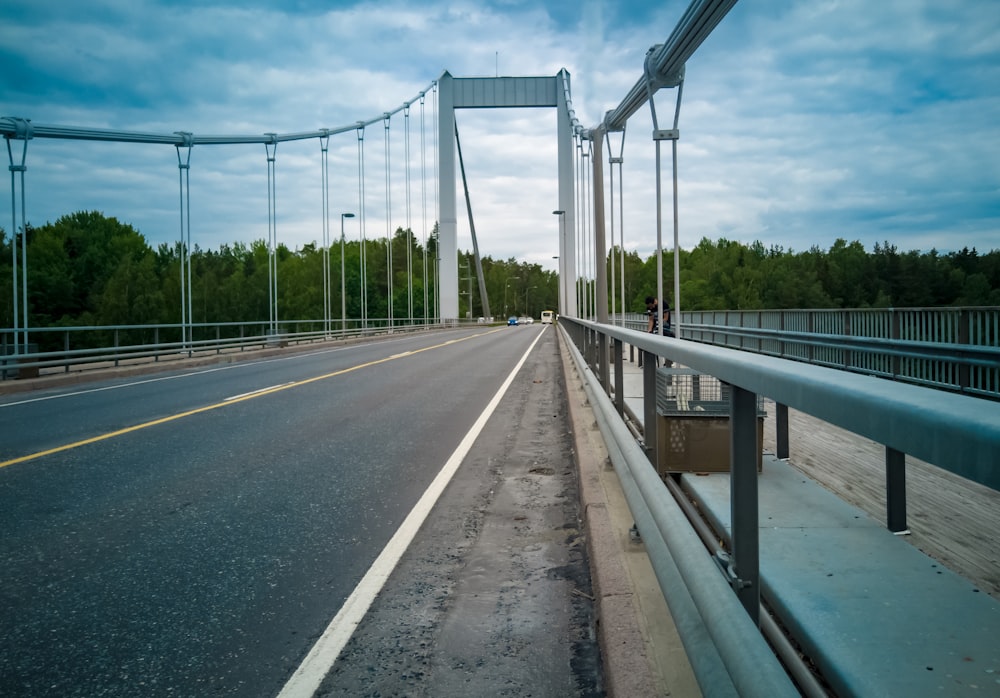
x=193, y=533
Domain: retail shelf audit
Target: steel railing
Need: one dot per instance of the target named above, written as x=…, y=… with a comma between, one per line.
x=83, y=347
x=955, y=349
x=957, y=432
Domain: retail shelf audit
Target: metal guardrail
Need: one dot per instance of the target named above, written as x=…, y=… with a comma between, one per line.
x=953, y=431
x=957, y=432
x=955, y=349
x=16, y=362
x=728, y=654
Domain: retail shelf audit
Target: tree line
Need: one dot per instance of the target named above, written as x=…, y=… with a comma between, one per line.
x=730, y=275
x=88, y=269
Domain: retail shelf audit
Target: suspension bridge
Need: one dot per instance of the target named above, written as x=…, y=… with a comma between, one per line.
x=318, y=507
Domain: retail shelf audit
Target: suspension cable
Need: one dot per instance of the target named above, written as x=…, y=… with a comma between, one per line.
x=611, y=217
x=662, y=135
x=271, y=149
x=388, y=223
x=409, y=229
x=362, y=219
x=676, y=316
x=423, y=197
x=184, y=174
x=324, y=143
x=621, y=218
x=580, y=273
x=23, y=134
x=589, y=228
x=612, y=161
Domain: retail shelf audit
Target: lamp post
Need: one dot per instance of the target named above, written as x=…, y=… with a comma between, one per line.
x=343, y=297
x=526, y=300
x=562, y=247
x=509, y=279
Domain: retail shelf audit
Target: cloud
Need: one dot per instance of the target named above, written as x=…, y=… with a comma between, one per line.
x=800, y=123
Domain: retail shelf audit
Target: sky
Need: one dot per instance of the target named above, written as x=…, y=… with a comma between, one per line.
x=800, y=122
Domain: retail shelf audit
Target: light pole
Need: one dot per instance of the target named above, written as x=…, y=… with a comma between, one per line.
x=527, y=314
x=343, y=297
x=509, y=279
x=562, y=247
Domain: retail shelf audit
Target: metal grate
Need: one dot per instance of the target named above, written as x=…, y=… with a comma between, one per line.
x=684, y=391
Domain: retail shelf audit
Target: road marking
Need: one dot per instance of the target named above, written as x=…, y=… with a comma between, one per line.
x=217, y=405
x=259, y=390
x=314, y=668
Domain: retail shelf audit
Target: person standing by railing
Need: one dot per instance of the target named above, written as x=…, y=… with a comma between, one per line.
x=653, y=317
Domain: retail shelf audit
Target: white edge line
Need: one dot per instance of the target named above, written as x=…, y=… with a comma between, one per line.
x=314, y=668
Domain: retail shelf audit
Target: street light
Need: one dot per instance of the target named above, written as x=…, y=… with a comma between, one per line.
x=526, y=299
x=509, y=279
x=562, y=251
x=343, y=298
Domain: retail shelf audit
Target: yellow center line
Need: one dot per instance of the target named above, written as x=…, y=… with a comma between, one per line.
x=231, y=401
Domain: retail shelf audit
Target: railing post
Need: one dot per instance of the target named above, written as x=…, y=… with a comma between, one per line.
x=66, y=349
x=116, y=347
x=811, y=329
x=895, y=490
x=616, y=356
x=649, y=405
x=964, y=370
x=848, y=355
x=781, y=430
x=592, y=351
x=602, y=361
x=743, y=500
x=156, y=341
x=781, y=326
x=895, y=332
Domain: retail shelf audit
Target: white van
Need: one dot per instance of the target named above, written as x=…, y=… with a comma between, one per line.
x=547, y=317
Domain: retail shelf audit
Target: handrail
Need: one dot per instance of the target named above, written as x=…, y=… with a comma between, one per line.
x=956, y=432
x=952, y=348
x=903, y=348
x=686, y=573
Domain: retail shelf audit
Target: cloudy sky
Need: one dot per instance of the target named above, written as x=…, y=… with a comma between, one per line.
x=801, y=122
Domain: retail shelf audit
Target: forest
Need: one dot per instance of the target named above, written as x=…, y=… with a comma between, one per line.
x=89, y=269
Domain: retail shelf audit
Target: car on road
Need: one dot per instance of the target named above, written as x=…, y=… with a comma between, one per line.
x=512, y=321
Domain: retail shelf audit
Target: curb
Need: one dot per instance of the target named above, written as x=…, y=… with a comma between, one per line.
x=627, y=670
